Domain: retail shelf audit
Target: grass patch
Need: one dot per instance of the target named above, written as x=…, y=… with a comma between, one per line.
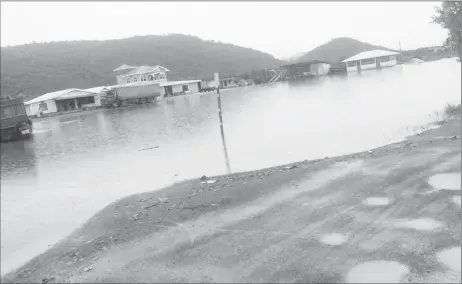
x=452, y=110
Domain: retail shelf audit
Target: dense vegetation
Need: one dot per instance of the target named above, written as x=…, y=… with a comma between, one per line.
x=449, y=16
x=38, y=68
x=338, y=49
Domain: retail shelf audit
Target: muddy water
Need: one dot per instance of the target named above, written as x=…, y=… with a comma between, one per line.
x=77, y=164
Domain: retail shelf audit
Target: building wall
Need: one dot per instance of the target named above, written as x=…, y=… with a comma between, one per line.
x=372, y=65
x=33, y=109
x=193, y=88
x=391, y=62
x=124, y=80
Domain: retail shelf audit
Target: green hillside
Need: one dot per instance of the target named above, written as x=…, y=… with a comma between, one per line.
x=38, y=68
x=338, y=49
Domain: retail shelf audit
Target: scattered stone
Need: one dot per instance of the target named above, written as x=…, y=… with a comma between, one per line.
x=454, y=138
x=163, y=199
x=89, y=268
x=172, y=207
x=204, y=177
x=213, y=205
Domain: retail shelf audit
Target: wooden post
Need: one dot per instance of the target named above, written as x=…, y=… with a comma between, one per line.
x=228, y=168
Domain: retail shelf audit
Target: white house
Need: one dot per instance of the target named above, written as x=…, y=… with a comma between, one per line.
x=370, y=60
x=61, y=101
x=127, y=74
x=175, y=88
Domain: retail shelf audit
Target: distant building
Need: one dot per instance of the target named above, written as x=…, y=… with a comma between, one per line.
x=371, y=60
x=62, y=101
x=306, y=69
x=127, y=74
x=176, y=88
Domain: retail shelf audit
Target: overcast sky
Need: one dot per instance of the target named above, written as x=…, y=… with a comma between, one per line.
x=280, y=28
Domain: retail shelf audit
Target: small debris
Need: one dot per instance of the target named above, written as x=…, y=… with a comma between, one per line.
x=291, y=167
x=89, y=268
x=47, y=279
x=172, y=207
x=212, y=181
x=204, y=177
x=454, y=138
x=163, y=199
x=213, y=205
x=152, y=205
x=135, y=217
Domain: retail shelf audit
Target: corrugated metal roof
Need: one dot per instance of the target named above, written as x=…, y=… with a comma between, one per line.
x=370, y=54
x=123, y=67
x=49, y=96
x=75, y=94
x=95, y=90
x=145, y=69
x=299, y=64
x=171, y=83
x=135, y=84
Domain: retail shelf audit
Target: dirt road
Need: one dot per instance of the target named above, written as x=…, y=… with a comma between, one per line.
x=386, y=215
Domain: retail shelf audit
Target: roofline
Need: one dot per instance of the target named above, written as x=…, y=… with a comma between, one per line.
x=347, y=60
x=305, y=63
x=171, y=83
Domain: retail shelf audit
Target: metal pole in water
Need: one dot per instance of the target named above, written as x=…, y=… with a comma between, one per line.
x=228, y=167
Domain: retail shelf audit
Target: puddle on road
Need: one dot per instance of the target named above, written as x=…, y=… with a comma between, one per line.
x=456, y=199
x=446, y=181
x=334, y=239
x=450, y=258
x=376, y=201
x=421, y=224
x=377, y=272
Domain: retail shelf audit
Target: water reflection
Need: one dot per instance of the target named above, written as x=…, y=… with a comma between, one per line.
x=84, y=161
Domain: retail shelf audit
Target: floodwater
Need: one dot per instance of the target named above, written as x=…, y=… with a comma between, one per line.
x=77, y=164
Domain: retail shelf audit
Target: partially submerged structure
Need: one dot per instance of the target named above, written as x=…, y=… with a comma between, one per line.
x=306, y=69
x=62, y=101
x=371, y=60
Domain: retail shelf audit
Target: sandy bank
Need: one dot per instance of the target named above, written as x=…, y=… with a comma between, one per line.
x=309, y=221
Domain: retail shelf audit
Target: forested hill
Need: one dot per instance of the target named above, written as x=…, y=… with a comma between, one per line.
x=38, y=68
x=338, y=49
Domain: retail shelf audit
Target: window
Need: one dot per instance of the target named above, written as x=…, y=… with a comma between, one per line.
x=135, y=80
x=128, y=81
x=351, y=64
x=150, y=78
x=385, y=59
x=185, y=88
x=43, y=106
x=143, y=78
x=368, y=61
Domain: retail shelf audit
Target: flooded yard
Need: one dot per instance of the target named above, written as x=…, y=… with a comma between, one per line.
x=77, y=164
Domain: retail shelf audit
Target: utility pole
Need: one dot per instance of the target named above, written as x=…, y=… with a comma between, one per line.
x=228, y=167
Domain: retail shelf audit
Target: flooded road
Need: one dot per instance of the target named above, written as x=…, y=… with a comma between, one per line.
x=77, y=164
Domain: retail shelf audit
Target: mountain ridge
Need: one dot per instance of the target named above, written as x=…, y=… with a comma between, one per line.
x=38, y=68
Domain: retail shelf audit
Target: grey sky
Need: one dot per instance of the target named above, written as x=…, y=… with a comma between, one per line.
x=280, y=28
